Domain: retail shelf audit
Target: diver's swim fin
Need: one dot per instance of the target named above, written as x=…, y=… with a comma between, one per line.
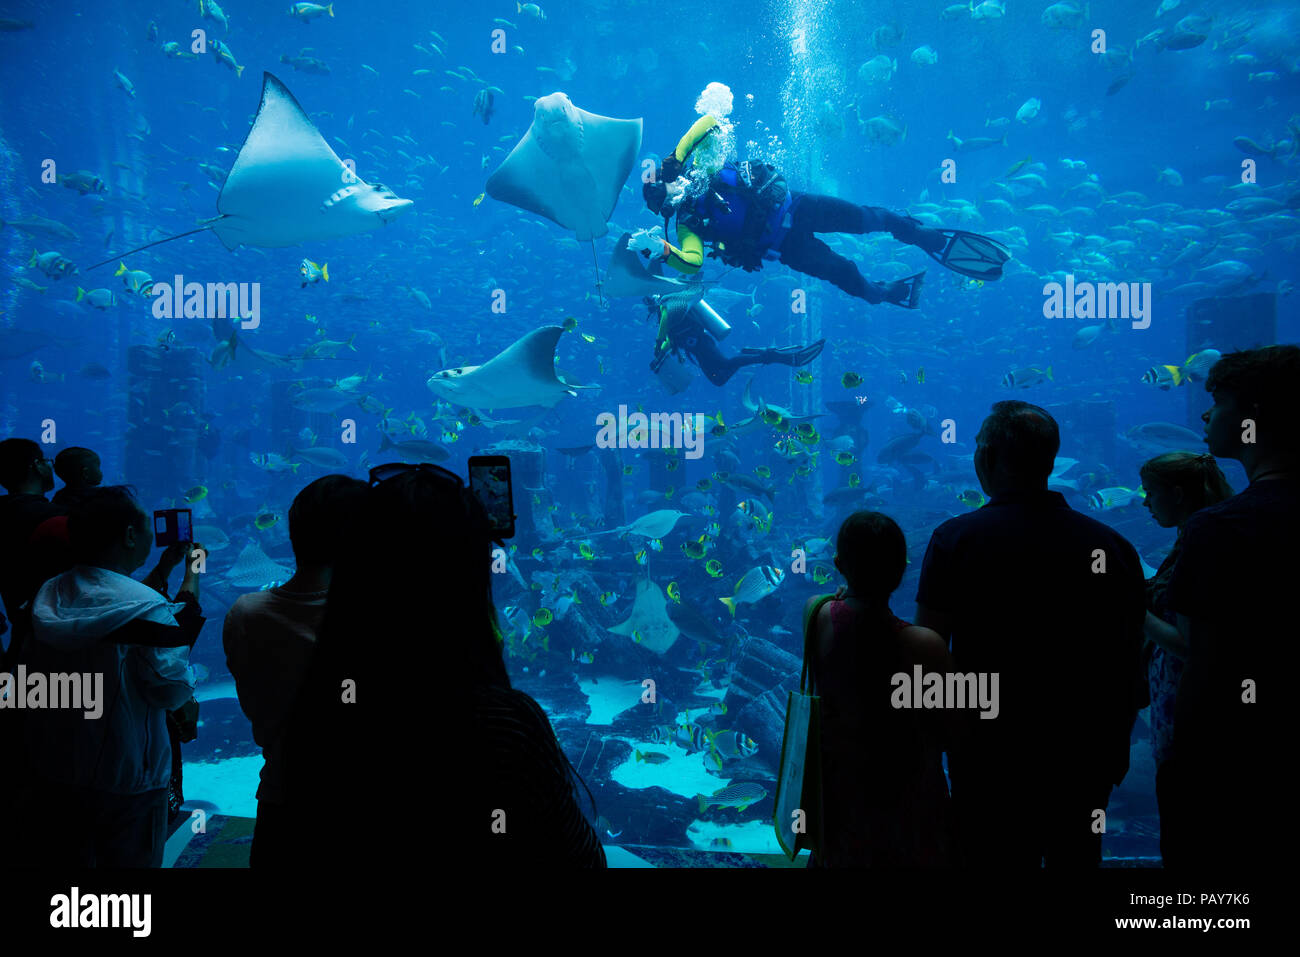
x=972, y=255
x=788, y=355
x=914, y=295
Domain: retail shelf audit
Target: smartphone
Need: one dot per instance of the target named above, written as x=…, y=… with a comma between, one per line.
x=490, y=483
x=172, y=525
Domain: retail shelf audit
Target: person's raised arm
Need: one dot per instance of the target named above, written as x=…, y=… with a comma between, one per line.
x=699, y=129
x=1165, y=635
x=689, y=256
x=929, y=649
x=172, y=556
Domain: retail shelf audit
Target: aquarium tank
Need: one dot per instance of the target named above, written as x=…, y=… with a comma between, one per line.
x=711, y=278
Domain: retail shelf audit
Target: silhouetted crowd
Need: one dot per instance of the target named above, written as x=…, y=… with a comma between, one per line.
x=376, y=685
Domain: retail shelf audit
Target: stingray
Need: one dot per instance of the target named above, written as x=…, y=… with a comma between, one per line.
x=16, y=343
x=654, y=525
x=694, y=625
x=523, y=375
x=287, y=186
x=569, y=167
x=627, y=276
x=649, y=621
x=253, y=569
x=216, y=691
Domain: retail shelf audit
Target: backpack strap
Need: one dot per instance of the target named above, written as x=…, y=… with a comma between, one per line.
x=809, y=620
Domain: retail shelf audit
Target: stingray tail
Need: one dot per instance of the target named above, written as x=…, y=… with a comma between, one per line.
x=156, y=242
x=600, y=291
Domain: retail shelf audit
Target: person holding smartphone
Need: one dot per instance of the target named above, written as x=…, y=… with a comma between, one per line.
x=110, y=767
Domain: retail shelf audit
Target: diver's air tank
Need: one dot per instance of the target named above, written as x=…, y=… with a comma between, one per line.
x=708, y=317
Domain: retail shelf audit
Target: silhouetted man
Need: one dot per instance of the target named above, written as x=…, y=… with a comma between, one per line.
x=1052, y=602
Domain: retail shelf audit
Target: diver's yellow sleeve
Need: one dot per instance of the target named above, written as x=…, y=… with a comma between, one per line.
x=699, y=129
x=690, y=256
x=662, y=342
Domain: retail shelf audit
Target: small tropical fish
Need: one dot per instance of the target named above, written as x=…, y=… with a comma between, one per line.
x=271, y=462
x=95, y=371
x=740, y=796
x=99, y=298
x=1163, y=377
x=196, y=494
x=696, y=550
x=713, y=567
x=1029, y=109
x=306, y=12
x=756, y=584
x=222, y=54
x=674, y=592
x=312, y=273
x=803, y=377
x=38, y=374
x=543, y=617
x=851, y=380
x=1024, y=378
x=652, y=757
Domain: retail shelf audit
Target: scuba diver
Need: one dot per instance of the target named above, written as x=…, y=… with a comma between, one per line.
x=689, y=324
x=749, y=215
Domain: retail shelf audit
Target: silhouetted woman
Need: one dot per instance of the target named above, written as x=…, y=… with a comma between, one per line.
x=885, y=799
x=408, y=742
x=1178, y=484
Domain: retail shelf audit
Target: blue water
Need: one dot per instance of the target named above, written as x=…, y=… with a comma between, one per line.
x=794, y=70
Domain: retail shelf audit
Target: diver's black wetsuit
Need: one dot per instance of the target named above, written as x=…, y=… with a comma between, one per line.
x=813, y=213
x=685, y=334
x=748, y=214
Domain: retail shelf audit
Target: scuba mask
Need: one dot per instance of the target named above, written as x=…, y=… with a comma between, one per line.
x=655, y=194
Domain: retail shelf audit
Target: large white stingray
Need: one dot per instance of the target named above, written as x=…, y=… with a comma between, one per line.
x=654, y=525
x=569, y=167
x=649, y=624
x=626, y=275
x=524, y=374
x=288, y=186
x=254, y=569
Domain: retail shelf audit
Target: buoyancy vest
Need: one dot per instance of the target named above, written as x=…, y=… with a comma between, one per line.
x=745, y=213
